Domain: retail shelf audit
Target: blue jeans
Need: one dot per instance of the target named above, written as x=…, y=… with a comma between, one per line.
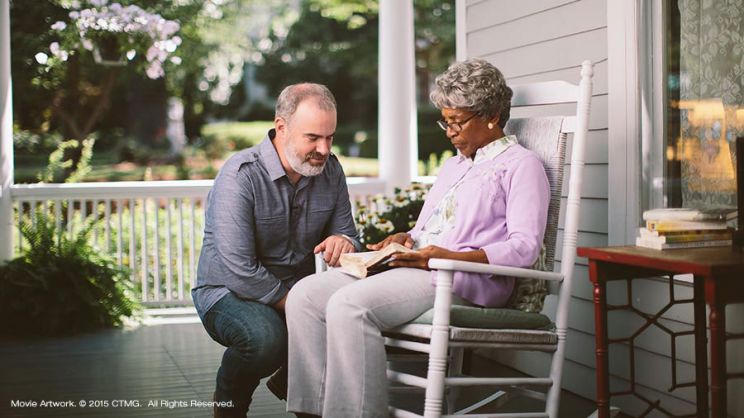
x=256, y=339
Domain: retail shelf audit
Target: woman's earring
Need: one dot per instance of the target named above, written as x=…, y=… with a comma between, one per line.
x=490, y=125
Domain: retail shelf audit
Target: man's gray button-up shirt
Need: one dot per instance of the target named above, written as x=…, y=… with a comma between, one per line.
x=260, y=230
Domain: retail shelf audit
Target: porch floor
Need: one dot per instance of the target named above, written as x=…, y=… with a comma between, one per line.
x=157, y=363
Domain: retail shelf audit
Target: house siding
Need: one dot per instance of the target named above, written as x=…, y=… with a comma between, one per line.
x=542, y=40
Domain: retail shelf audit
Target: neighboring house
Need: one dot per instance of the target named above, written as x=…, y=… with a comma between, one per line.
x=547, y=40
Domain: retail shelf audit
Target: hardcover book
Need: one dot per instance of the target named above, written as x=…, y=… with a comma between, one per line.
x=686, y=214
x=363, y=265
x=685, y=236
x=644, y=242
x=675, y=225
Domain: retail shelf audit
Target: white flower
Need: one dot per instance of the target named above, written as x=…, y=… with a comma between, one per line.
x=175, y=60
x=131, y=54
x=400, y=202
x=152, y=53
x=87, y=44
x=385, y=226
x=41, y=58
x=59, y=25
x=154, y=70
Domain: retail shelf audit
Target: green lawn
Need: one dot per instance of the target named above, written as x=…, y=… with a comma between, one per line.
x=224, y=138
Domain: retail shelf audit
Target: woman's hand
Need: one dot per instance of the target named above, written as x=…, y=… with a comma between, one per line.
x=420, y=259
x=402, y=238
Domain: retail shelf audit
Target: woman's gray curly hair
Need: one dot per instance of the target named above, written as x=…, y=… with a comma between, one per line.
x=475, y=85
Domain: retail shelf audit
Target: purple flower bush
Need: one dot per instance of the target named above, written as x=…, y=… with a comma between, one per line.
x=113, y=30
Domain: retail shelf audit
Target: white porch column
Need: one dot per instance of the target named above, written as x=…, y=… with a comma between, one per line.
x=6, y=136
x=397, y=143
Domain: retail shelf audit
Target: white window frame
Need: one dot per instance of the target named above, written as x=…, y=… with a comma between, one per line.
x=636, y=113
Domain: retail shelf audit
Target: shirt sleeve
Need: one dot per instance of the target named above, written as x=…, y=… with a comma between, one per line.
x=233, y=236
x=527, y=199
x=342, y=221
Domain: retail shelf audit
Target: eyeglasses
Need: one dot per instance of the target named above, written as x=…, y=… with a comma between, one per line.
x=455, y=126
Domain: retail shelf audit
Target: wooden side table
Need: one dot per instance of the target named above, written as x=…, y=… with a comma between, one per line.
x=718, y=280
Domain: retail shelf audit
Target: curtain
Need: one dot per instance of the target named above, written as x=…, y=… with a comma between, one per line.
x=711, y=83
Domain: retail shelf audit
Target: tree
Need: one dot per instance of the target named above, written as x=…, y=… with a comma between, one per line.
x=335, y=42
x=113, y=36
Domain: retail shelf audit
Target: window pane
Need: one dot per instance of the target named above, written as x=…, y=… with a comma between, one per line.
x=705, y=114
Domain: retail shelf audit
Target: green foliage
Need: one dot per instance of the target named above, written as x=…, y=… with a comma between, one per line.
x=221, y=138
x=60, y=162
x=61, y=284
x=434, y=163
x=383, y=215
x=30, y=143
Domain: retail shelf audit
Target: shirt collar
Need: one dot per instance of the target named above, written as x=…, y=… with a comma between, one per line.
x=490, y=150
x=270, y=156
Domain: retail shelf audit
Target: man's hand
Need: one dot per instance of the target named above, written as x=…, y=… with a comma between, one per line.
x=402, y=238
x=420, y=259
x=333, y=247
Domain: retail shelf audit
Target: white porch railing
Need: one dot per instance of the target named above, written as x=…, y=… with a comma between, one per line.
x=152, y=228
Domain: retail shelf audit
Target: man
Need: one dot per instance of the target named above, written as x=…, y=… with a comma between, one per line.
x=271, y=208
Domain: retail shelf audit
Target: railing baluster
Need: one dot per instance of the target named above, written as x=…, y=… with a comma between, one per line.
x=180, y=269
x=168, y=252
x=107, y=217
x=32, y=212
x=20, y=223
x=144, y=250
x=132, y=244
x=58, y=217
x=156, y=251
x=192, y=235
x=70, y=214
x=180, y=248
x=120, y=232
x=94, y=218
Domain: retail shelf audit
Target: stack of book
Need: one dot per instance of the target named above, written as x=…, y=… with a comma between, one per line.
x=685, y=228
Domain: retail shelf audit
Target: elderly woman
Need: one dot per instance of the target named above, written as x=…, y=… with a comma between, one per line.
x=489, y=204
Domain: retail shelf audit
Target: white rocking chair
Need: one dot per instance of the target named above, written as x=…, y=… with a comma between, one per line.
x=446, y=331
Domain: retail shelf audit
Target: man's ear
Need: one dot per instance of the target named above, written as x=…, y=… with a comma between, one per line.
x=280, y=125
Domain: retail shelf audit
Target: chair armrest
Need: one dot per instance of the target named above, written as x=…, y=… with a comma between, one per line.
x=471, y=267
x=320, y=264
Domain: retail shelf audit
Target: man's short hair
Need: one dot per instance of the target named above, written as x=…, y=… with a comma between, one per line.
x=293, y=95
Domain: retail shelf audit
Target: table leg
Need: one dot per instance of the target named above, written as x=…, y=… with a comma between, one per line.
x=701, y=349
x=717, y=352
x=600, y=328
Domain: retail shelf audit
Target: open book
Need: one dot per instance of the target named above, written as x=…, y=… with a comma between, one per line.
x=362, y=265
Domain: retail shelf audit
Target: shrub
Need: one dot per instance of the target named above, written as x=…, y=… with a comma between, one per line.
x=221, y=138
x=32, y=143
x=383, y=215
x=61, y=284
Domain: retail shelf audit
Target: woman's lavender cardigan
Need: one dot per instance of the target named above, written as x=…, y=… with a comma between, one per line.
x=502, y=208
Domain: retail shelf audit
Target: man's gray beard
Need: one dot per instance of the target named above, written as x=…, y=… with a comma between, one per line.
x=301, y=167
